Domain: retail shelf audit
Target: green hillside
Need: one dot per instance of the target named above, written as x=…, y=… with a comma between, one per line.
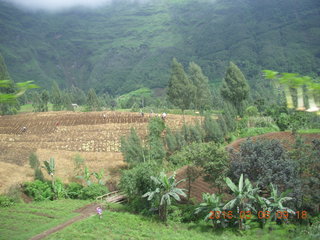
x=125, y=46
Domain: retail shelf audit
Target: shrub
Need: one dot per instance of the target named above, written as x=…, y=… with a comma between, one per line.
x=74, y=190
x=156, y=146
x=38, y=190
x=6, y=201
x=251, y=111
x=264, y=162
x=93, y=191
x=261, y=122
x=132, y=149
x=35, y=164
x=212, y=130
x=59, y=189
x=211, y=157
x=137, y=181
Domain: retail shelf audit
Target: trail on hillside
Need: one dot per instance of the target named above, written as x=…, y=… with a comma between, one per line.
x=85, y=212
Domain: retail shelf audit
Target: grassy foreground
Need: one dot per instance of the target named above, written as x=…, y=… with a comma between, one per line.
x=23, y=221
x=123, y=225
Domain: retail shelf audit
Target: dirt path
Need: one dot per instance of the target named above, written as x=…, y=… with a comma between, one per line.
x=85, y=212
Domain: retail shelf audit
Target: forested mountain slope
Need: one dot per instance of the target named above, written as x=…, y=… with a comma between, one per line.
x=126, y=45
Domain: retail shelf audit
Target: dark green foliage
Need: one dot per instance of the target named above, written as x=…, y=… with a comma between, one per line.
x=214, y=160
x=132, y=149
x=265, y=162
x=92, y=100
x=77, y=95
x=307, y=158
x=35, y=164
x=235, y=88
x=74, y=190
x=39, y=190
x=156, y=146
x=229, y=116
x=211, y=157
x=66, y=100
x=171, y=142
x=212, y=130
x=180, y=89
x=40, y=101
x=193, y=133
x=222, y=125
x=9, y=88
x=251, y=111
x=135, y=182
x=92, y=191
x=269, y=34
x=38, y=175
x=202, y=97
x=34, y=161
x=56, y=97
x=5, y=201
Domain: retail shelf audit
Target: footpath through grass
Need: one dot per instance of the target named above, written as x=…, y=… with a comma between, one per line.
x=123, y=225
x=23, y=221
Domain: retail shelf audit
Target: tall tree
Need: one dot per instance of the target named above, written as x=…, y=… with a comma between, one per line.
x=77, y=95
x=235, y=88
x=56, y=97
x=202, y=97
x=181, y=91
x=92, y=100
x=40, y=101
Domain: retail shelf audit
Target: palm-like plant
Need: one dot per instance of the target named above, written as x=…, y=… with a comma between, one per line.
x=99, y=176
x=50, y=168
x=86, y=176
x=166, y=188
x=276, y=201
x=244, y=195
x=210, y=203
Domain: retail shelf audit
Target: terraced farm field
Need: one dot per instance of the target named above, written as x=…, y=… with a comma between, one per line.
x=63, y=135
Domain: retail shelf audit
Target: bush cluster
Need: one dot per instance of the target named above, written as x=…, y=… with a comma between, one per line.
x=41, y=191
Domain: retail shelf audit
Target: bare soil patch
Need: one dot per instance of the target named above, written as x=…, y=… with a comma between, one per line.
x=63, y=135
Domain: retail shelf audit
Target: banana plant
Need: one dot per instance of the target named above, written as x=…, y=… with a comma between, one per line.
x=21, y=88
x=165, y=189
x=277, y=200
x=244, y=196
x=50, y=168
x=86, y=176
x=211, y=203
x=99, y=176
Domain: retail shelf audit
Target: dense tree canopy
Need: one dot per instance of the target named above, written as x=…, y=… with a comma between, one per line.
x=180, y=90
x=235, y=88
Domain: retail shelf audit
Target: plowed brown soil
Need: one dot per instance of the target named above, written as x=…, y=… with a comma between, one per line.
x=63, y=135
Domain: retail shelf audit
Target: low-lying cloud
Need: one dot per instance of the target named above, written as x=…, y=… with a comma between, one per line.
x=58, y=5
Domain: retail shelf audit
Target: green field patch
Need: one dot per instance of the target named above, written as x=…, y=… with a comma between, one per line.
x=23, y=221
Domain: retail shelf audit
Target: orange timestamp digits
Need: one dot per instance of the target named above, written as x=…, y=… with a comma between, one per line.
x=228, y=214
x=260, y=214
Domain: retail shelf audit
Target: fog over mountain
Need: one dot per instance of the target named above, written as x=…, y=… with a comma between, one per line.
x=123, y=46
x=60, y=5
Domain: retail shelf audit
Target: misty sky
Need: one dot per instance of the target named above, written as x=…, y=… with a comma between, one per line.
x=56, y=5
